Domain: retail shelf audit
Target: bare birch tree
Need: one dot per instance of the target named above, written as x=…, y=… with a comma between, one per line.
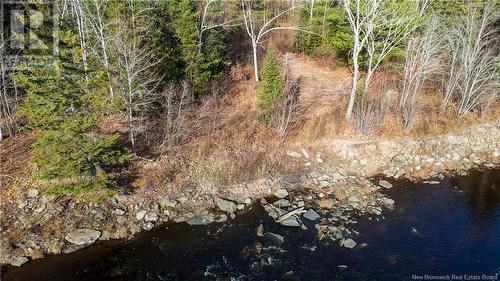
x=359, y=14
x=257, y=28
x=98, y=27
x=135, y=62
x=474, y=71
x=76, y=8
x=207, y=24
x=421, y=60
x=389, y=26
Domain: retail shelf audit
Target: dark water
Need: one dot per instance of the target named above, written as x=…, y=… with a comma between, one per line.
x=456, y=230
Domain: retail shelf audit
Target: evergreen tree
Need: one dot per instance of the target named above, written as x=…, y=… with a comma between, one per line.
x=198, y=66
x=63, y=104
x=272, y=85
x=329, y=30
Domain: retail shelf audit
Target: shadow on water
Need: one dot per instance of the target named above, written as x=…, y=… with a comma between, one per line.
x=450, y=228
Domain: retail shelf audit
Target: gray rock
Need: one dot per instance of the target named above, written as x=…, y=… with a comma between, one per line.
x=119, y=212
x=293, y=154
x=248, y=201
x=349, y=243
x=22, y=204
x=282, y=203
x=200, y=220
x=281, y=193
x=166, y=203
x=291, y=221
x=271, y=212
x=260, y=230
x=140, y=215
x=182, y=199
x=274, y=238
x=240, y=206
x=222, y=218
x=151, y=217
x=311, y=215
x=83, y=236
x=32, y=193
x=19, y=261
x=385, y=184
x=289, y=275
x=114, y=201
x=226, y=205
x=388, y=201
x=147, y=226
x=323, y=184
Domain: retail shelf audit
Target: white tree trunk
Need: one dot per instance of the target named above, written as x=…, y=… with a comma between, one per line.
x=255, y=62
x=354, y=85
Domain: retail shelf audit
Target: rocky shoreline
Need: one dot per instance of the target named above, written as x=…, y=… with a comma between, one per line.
x=336, y=180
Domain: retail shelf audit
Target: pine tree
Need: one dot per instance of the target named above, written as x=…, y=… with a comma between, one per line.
x=63, y=105
x=272, y=85
x=199, y=68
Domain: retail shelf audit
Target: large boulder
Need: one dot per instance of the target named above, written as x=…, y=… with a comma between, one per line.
x=83, y=236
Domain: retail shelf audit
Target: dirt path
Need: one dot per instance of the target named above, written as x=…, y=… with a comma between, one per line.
x=320, y=85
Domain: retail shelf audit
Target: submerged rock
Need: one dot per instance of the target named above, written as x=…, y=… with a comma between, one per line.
x=289, y=275
x=200, y=220
x=276, y=239
x=226, y=205
x=349, y=243
x=260, y=230
x=415, y=232
x=83, y=236
x=311, y=215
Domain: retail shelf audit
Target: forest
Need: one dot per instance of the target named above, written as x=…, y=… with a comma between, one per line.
x=130, y=82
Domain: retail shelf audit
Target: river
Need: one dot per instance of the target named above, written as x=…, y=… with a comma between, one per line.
x=447, y=230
